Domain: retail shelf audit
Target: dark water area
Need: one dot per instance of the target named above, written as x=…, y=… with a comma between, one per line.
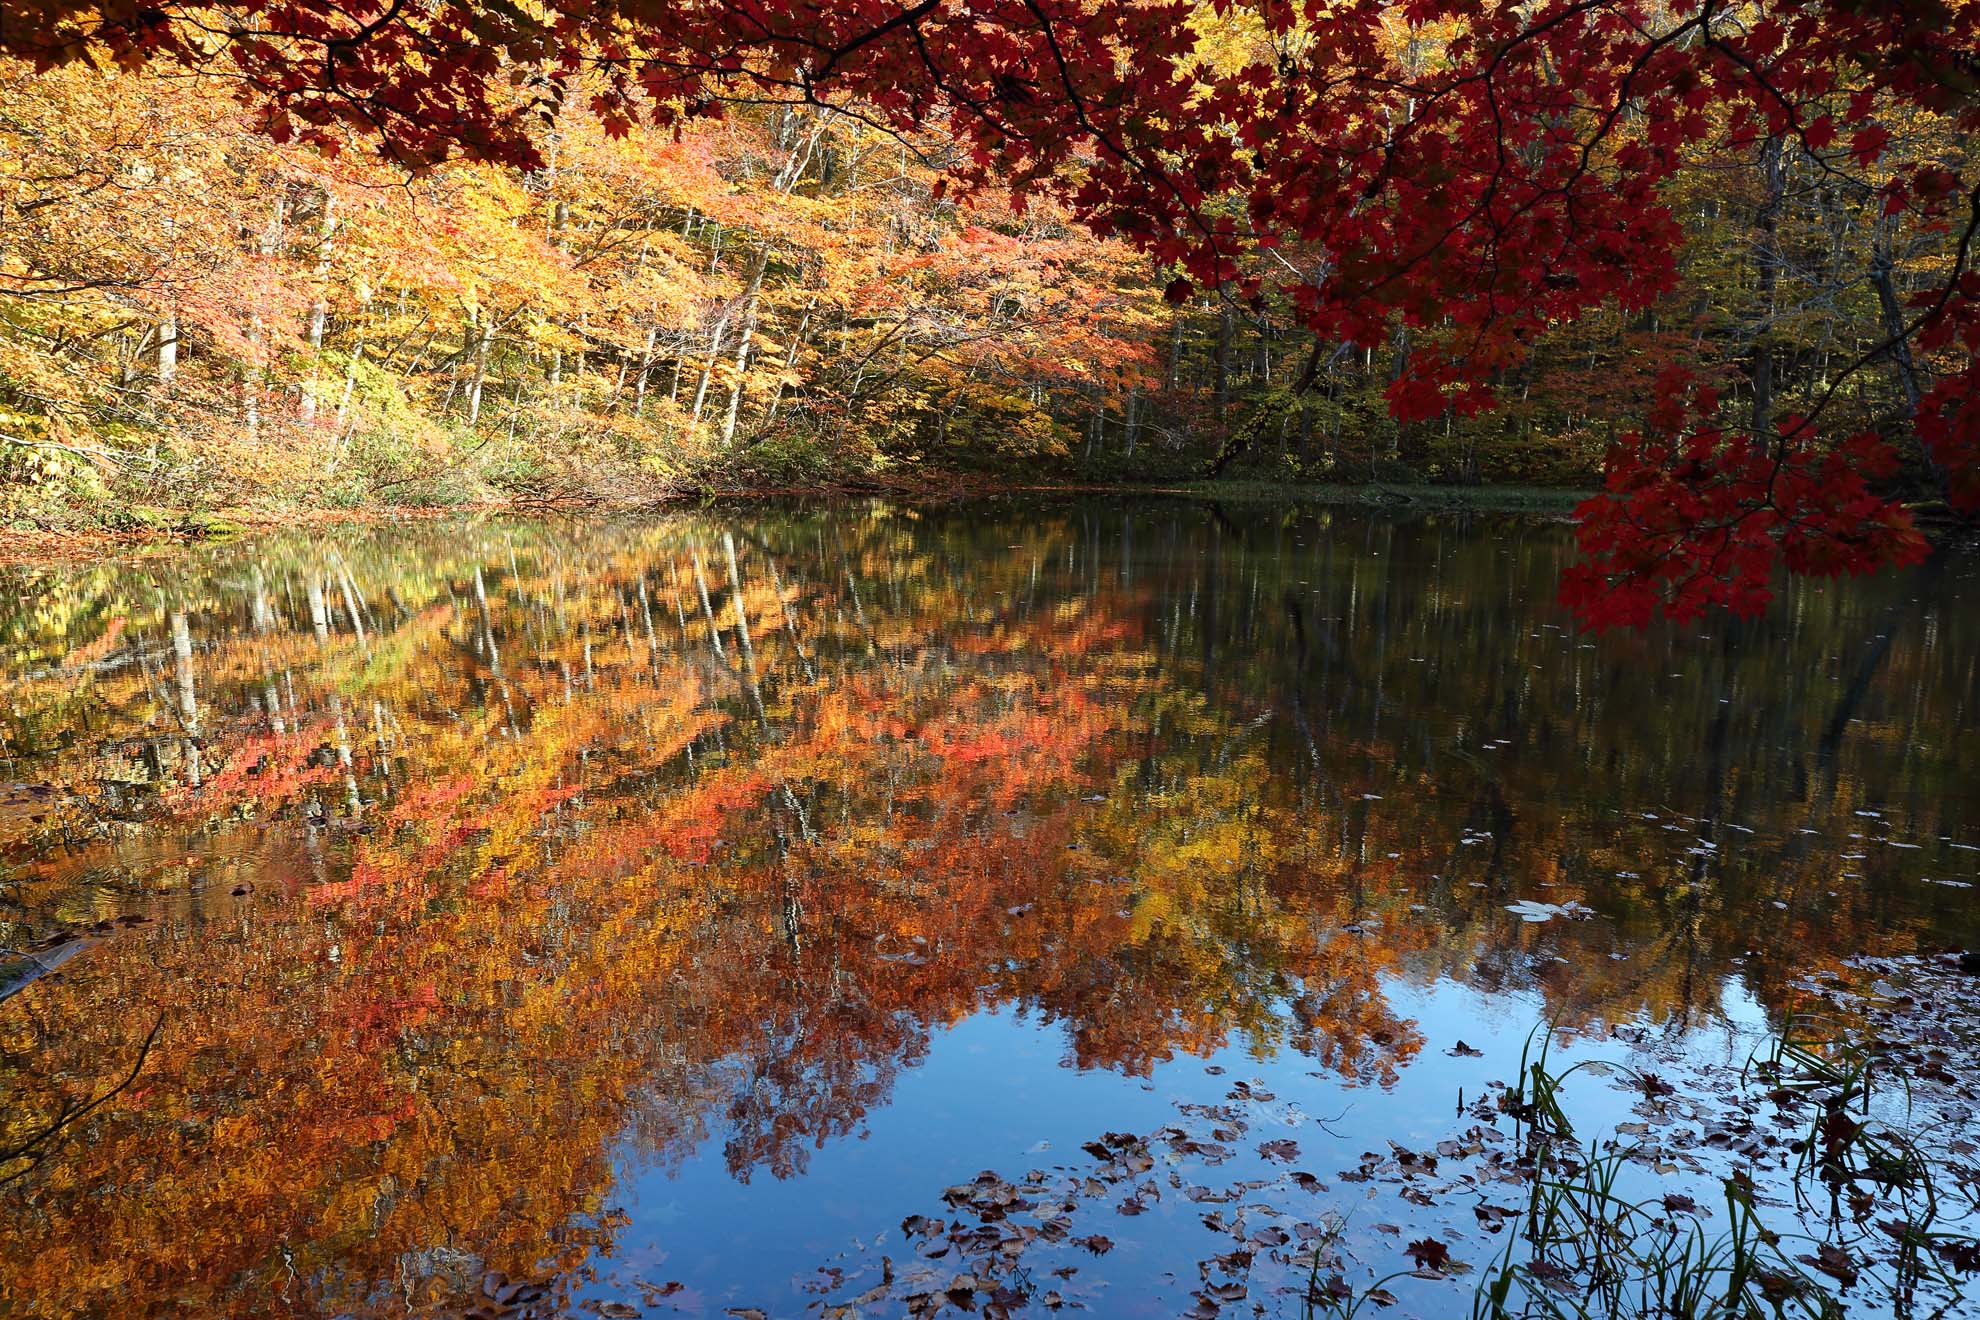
x=654, y=915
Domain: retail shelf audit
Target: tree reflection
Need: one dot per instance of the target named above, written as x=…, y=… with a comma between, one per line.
x=471, y=854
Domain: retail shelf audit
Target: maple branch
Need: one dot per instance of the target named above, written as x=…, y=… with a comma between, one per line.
x=1962, y=256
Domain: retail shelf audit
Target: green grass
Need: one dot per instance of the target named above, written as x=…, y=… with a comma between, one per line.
x=1585, y=1251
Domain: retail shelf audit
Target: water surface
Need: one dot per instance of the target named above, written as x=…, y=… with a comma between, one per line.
x=660, y=910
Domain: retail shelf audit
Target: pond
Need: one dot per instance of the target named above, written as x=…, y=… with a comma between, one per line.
x=661, y=916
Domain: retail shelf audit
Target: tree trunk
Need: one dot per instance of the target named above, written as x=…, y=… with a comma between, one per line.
x=708, y=367
x=480, y=366
x=645, y=370
x=790, y=361
x=742, y=349
x=168, y=351
x=1398, y=364
x=1891, y=313
x=1223, y=382
x=319, y=307
x=254, y=371
x=1767, y=227
x=351, y=370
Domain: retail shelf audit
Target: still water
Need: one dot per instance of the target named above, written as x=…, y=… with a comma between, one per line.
x=657, y=913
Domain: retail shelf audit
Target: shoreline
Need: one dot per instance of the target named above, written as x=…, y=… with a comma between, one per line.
x=175, y=528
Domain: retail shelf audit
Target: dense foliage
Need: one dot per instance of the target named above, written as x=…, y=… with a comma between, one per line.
x=1719, y=250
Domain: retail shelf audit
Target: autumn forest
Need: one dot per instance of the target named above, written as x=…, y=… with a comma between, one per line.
x=231, y=280
x=905, y=658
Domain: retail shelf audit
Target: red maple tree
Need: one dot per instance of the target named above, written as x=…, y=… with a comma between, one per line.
x=1511, y=182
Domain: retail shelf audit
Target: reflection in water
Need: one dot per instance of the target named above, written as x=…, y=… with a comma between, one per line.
x=480, y=860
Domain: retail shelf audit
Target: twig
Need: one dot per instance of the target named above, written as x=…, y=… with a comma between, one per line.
x=28, y=1149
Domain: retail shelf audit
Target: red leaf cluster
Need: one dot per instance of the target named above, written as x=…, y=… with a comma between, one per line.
x=1511, y=184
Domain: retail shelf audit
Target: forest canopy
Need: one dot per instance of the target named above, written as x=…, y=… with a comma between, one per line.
x=1715, y=256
